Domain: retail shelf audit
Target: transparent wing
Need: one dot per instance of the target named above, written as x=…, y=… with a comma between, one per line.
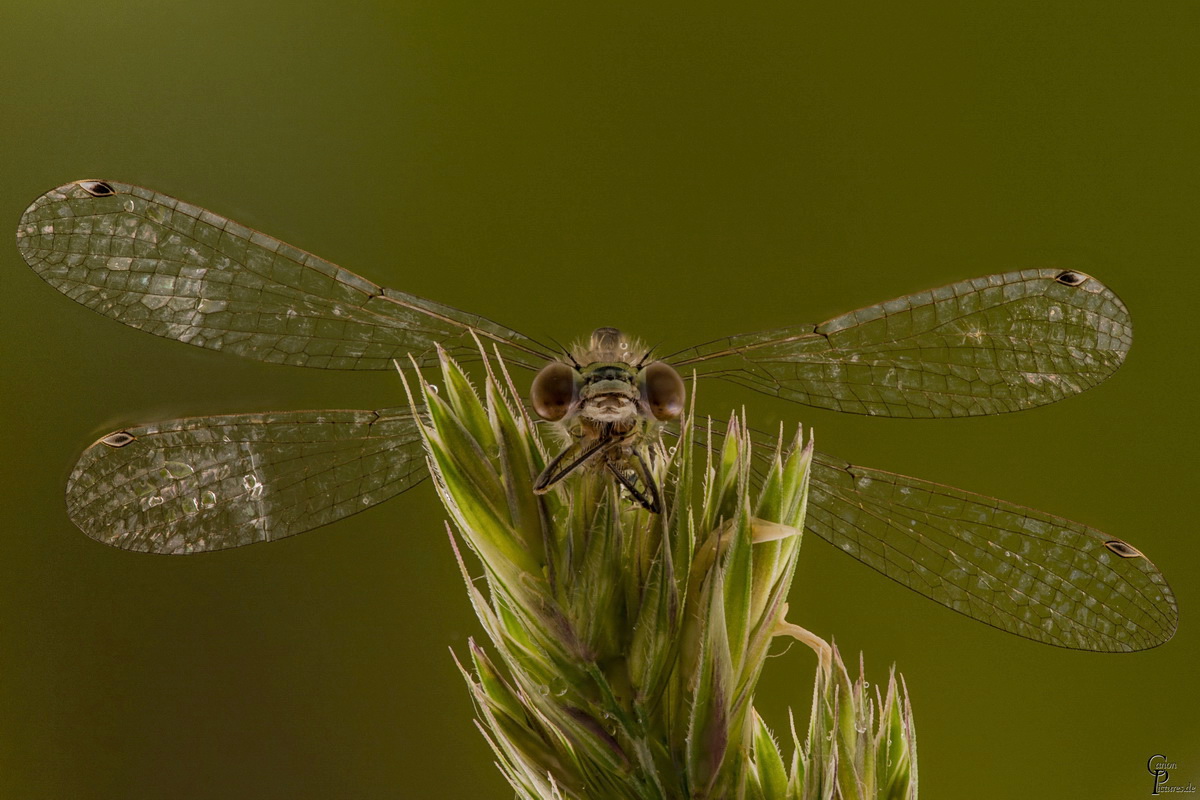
x=984, y=346
x=1024, y=571
x=209, y=483
x=175, y=270
x=1034, y=574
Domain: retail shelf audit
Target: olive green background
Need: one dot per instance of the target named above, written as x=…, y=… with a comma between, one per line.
x=682, y=172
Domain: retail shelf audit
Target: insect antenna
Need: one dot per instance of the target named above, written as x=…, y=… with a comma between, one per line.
x=645, y=356
x=566, y=353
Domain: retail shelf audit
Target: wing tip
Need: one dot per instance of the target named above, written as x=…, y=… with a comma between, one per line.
x=37, y=222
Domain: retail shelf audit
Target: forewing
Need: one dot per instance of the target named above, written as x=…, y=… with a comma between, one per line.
x=984, y=346
x=208, y=483
x=175, y=270
x=1024, y=571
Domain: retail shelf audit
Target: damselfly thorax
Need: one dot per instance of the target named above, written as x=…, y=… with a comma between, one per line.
x=608, y=400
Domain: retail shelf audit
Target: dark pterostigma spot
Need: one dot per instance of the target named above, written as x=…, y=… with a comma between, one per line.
x=1123, y=549
x=97, y=188
x=118, y=439
x=1070, y=278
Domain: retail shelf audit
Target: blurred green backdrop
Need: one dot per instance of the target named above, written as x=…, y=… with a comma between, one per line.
x=681, y=173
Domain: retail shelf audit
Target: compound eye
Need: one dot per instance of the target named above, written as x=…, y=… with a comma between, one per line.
x=662, y=390
x=553, y=391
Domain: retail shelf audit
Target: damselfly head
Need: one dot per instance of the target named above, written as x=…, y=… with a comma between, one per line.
x=608, y=381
